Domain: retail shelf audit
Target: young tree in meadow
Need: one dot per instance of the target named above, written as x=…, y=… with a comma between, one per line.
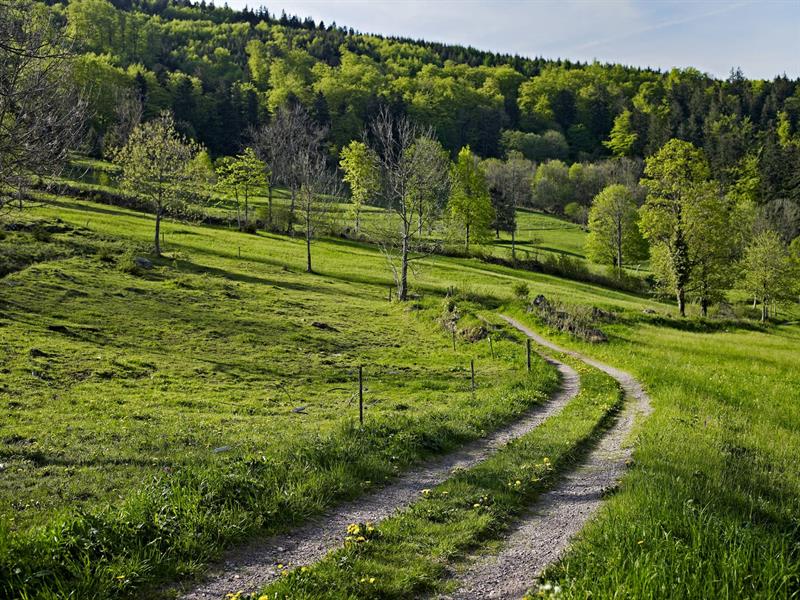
x=318, y=188
x=42, y=113
x=509, y=185
x=614, y=237
x=768, y=272
x=685, y=218
x=403, y=154
x=241, y=176
x=470, y=204
x=494, y=170
x=429, y=187
x=291, y=133
x=156, y=165
x=360, y=166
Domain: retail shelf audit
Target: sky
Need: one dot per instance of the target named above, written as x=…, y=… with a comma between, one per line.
x=760, y=36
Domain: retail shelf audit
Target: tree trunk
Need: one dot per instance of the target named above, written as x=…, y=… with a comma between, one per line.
x=308, y=250
x=290, y=222
x=619, y=249
x=514, y=245
x=246, y=211
x=682, y=301
x=358, y=221
x=704, y=306
x=403, y=291
x=269, y=208
x=466, y=240
x=764, y=310
x=158, y=231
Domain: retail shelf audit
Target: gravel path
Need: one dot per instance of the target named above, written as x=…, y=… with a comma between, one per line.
x=255, y=565
x=541, y=537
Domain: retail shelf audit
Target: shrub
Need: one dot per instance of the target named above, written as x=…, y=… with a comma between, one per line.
x=521, y=291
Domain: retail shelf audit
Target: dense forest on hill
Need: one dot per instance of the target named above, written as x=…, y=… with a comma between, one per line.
x=221, y=71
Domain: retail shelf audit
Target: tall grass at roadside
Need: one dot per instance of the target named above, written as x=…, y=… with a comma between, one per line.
x=711, y=506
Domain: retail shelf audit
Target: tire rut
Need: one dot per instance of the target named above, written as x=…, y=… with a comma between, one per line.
x=253, y=566
x=541, y=538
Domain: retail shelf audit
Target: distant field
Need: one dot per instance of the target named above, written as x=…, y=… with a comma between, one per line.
x=538, y=234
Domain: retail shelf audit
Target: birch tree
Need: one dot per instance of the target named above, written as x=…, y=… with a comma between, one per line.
x=404, y=160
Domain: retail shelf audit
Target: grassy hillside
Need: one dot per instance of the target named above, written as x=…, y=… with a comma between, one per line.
x=157, y=404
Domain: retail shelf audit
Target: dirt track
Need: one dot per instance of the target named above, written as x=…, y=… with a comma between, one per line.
x=540, y=538
x=251, y=567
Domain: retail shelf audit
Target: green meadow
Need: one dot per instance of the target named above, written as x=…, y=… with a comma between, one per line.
x=154, y=416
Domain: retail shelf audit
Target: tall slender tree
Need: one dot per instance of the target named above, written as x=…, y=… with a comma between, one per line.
x=402, y=149
x=359, y=163
x=470, y=204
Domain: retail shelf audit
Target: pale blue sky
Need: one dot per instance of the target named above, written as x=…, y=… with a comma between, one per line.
x=760, y=36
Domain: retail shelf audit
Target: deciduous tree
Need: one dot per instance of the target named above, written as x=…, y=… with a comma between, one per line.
x=682, y=213
x=41, y=112
x=399, y=144
x=614, y=236
x=768, y=271
x=156, y=165
x=360, y=166
x=470, y=204
x=240, y=176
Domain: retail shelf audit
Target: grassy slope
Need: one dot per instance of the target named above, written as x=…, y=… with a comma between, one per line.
x=113, y=379
x=714, y=478
x=711, y=507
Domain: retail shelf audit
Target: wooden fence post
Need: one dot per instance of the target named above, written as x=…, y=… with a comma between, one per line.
x=491, y=346
x=361, y=394
x=454, y=337
x=528, y=353
x=472, y=373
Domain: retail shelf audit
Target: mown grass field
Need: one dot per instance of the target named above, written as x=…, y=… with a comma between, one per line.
x=130, y=399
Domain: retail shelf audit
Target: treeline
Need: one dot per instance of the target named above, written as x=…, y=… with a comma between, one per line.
x=221, y=71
